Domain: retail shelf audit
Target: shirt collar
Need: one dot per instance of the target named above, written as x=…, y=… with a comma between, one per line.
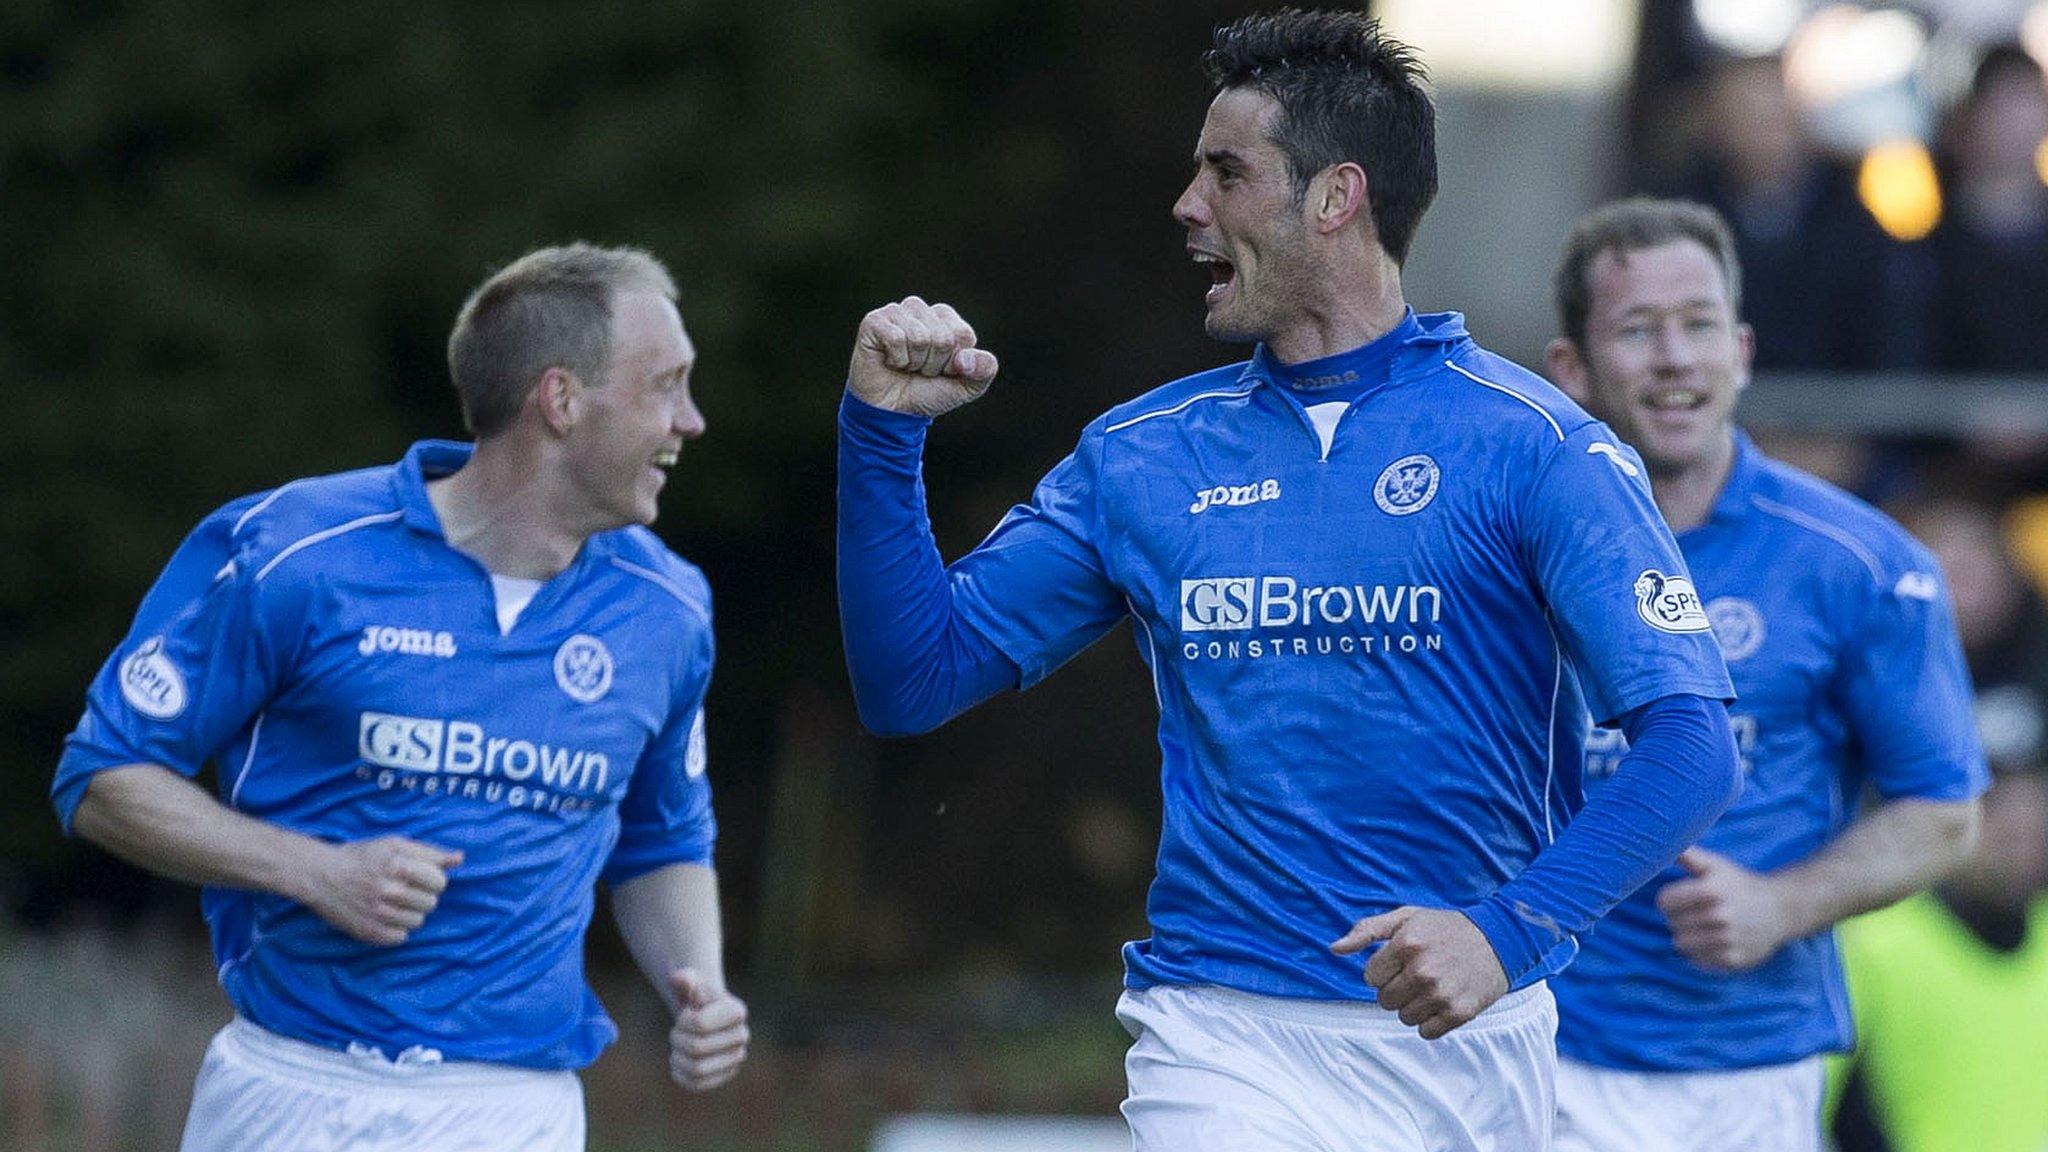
x=434, y=459
x=1742, y=480
x=1390, y=355
x=424, y=461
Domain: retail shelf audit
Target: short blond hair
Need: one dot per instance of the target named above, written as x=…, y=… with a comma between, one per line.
x=551, y=308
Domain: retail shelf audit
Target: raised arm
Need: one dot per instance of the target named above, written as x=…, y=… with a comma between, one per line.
x=913, y=662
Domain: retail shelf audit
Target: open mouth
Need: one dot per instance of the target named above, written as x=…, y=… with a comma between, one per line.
x=1675, y=400
x=1222, y=273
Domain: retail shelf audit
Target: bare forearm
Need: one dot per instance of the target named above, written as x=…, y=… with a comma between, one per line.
x=1890, y=852
x=164, y=823
x=150, y=816
x=669, y=918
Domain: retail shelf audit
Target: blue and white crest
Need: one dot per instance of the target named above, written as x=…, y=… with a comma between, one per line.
x=1738, y=626
x=1407, y=485
x=583, y=668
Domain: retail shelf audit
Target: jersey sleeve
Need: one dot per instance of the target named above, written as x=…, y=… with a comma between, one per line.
x=1037, y=587
x=176, y=695
x=666, y=817
x=1905, y=687
x=192, y=568
x=1613, y=579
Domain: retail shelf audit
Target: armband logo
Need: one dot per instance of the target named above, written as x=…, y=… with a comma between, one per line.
x=1669, y=603
x=151, y=684
x=695, y=758
x=583, y=668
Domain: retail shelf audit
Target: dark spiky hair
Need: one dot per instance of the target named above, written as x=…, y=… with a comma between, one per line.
x=1346, y=93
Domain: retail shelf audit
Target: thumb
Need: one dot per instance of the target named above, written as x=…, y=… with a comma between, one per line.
x=1698, y=861
x=1370, y=930
x=690, y=989
x=976, y=364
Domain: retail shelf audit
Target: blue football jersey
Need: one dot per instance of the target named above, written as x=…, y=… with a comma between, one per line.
x=1836, y=628
x=1373, y=656
x=346, y=672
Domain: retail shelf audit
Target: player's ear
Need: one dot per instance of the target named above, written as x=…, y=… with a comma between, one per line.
x=558, y=399
x=1337, y=195
x=1566, y=368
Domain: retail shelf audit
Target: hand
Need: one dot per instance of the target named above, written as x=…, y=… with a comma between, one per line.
x=710, y=1037
x=379, y=891
x=919, y=359
x=1436, y=970
x=1724, y=917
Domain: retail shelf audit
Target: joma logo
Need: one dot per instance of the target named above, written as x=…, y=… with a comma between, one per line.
x=1234, y=496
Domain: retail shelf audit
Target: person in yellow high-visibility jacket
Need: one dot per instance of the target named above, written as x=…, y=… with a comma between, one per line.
x=1949, y=991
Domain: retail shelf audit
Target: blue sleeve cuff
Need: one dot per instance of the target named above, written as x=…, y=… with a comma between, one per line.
x=631, y=863
x=875, y=426
x=1681, y=772
x=1515, y=942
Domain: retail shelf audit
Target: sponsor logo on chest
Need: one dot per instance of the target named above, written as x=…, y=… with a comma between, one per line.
x=438, y=757
x=382, y=638
x=1234, y=496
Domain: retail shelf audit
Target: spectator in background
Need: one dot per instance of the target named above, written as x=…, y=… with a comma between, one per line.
x=1992, y=248
x=1950, y=996
x=1950, y=989
x=1826, y=290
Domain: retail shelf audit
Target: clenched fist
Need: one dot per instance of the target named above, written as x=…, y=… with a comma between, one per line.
x=918, y=359
x=378, y=891
x=1435, y=969
x=710, y=1036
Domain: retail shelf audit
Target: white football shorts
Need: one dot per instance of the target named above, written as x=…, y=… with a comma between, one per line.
x=1615, y=1110
x=1216, y=1070
x=262, y=1092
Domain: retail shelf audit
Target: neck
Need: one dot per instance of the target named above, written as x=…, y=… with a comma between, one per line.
x=501, y=510
x=1686, y=495
x=1348, y=318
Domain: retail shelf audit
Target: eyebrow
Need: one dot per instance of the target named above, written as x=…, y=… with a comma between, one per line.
x=1694, y=302
x=1219, y=156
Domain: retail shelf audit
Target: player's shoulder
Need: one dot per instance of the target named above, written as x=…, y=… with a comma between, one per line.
x=1174, y=399
x=641, y=557
x=1835, y=525
x=266, y=530
x=1510, y=399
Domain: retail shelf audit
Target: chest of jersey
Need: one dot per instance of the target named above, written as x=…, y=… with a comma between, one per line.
x=413, y=693
x=1250, y=548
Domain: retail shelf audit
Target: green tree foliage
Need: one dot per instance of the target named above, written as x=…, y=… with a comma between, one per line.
x=235, y=233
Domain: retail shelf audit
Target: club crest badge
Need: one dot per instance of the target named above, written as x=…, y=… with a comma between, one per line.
x=1669, y=603
x=1738, y=626
x=1407, y=485
x=583, y=668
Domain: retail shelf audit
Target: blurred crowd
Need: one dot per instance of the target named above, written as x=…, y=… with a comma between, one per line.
x=1950, y=988
x=1827, y=285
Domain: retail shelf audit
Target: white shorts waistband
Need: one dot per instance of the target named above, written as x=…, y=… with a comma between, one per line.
x=329, y=1067
x=1366, y=1015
